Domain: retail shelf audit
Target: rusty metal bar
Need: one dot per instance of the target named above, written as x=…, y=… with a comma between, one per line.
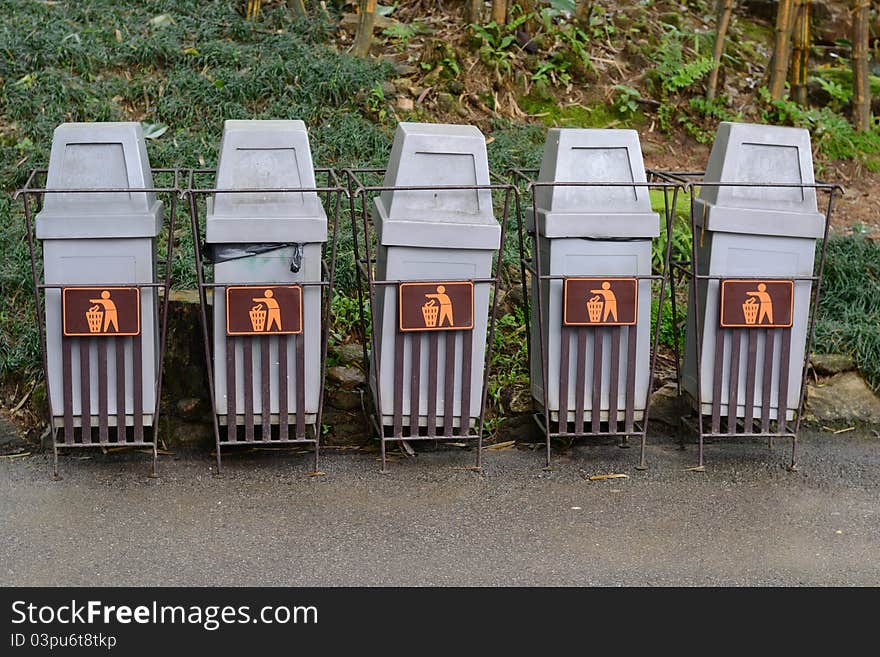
x=449, y=382
x=596, y=401
x=283, y=420
x=614, y=379
x=231, y=426
x=414, y=383
x=67, y=383
x=432, y=383
x=580, y=380
x=265, y=391
x=247, y=369
x=629, y=419
x=299, y=342
x=733, y=382
x=767, y=380
x=102, y=391
x=399, y=340
x=467, y=341
x=564, y=365
x=717, y=382
x=120, y=389
x=751, y=367
x=85, y=390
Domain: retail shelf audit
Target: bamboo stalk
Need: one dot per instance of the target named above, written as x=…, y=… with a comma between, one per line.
x=366, y=21
x=725, y=11
x=800, y=52
x=781, y=49
x=298, y=7
x=475, y=11
x=861, y=86
x=499, y=11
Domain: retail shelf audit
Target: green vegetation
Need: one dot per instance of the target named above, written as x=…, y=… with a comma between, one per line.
x=849, y=308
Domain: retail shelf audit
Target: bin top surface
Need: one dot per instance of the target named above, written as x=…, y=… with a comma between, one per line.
x=426, y=155
x=753, y=153
x=265, y=155
x=588, y=155
x=110, y=155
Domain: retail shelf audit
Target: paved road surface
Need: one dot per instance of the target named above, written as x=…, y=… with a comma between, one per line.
x=745, y=521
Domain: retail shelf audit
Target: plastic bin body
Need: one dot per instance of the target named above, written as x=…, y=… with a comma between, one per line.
x=100, y=239
x=591, y=232
x=266, y=155
x=433, y=235
x=753, y=232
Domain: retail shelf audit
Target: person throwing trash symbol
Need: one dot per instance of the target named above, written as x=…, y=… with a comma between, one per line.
x=110, y=314
x=610, y=301
x=765, y=308
x=445, y=305
x=274, y=310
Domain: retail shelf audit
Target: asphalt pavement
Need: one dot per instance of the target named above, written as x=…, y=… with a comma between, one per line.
x=745, y=521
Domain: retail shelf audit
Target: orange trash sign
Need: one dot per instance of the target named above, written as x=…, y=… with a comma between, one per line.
x=754, y=303
x=440, y=306
x=264, y=310
x=600, y=302
x=101, y=311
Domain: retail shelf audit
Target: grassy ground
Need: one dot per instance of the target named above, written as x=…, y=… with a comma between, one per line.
x=184, y=66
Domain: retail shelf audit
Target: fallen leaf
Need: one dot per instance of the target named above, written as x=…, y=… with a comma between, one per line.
x=845, y=430
x=505, y=445
x=612, y=475
x=406, y=447
x=15, y=456
x=317, y=473
x=118, y=36
x=160, y=20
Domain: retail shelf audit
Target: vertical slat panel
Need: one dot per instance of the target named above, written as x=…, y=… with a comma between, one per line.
x=630, y=378
x=265, y=391
x=414, y=381
x=767, y=381
x=467, y=338
x=120, y=389
x=449, y=383
x=85, y=377
x=784, y=364
x=596, y=400
x=564, y=361
x=717, y=381
x=102, y=390
x=733, y=381
x=432, y=383
x=247, y=369
x=67, y=385
x=580, y=380
x=397, y=417
x=231, y=428
x=751, y=366
x=301, y=388
x=614, y=379
x=283, y=427
x=137, y=373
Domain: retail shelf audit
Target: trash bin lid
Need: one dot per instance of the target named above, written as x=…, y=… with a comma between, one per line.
x=424, y=155
x=753, y=153
x=102, y=156
x=265, y=155
x=586, y=155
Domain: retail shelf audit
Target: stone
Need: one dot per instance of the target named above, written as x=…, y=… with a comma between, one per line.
x=667, y=406
x=844, y=397
x=446, y=101
x=349, y=353
x=831, y=364
x=347, y=400
x=405, y=104
x=346, y=377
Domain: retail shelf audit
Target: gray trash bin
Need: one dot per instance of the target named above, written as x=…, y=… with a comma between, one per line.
x=266, y=249
x=754, y=248
x=99, y=255
x=594, y=247
x=430, y=337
